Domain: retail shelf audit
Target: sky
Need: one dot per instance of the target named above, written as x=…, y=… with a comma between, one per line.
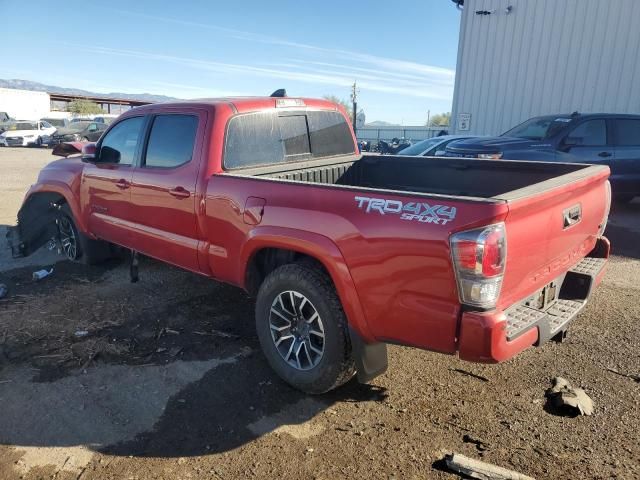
x=401, y=54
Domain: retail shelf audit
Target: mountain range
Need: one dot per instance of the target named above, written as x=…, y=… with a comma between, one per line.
x=41, y=87
x=145, y=97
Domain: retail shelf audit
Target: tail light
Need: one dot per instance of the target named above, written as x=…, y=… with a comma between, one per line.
x=479, y=258
x=603, y=224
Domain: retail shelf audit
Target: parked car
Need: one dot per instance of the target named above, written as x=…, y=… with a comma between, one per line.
x=392, y=147
x=25, y=132
x=106, y=119
x=431, y=147
x=81, y=119
x=57, y=122
x=344, y=252
x=596, y=138
x=76, y=132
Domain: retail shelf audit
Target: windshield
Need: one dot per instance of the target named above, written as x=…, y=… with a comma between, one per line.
x=56, y=122
x=418, y=148
x=538, y=128
x=77, y=126
x=23, y=126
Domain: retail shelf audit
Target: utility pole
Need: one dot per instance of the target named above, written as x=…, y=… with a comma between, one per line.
x=354, y=100
x=428, y=118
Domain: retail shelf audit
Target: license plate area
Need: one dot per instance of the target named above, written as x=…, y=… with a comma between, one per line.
x=545, y=297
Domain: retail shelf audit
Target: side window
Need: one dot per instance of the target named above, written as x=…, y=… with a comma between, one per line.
x=592, y=133
x=119, y=145
x=171, y=140
x=93, y=127
x=628, y=132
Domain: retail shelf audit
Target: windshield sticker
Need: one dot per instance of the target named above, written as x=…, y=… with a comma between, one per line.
x=419, y=212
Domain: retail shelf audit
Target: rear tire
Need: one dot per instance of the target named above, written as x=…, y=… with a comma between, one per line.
x=298, y=313
x=76, y=246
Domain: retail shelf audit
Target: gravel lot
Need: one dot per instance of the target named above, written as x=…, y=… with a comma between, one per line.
x=169, y=382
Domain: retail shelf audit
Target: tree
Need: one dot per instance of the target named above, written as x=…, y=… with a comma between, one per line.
x=440, y=120
x=347, y=106
x=84, y=107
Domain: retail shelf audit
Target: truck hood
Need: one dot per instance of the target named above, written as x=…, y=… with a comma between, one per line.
x=494, y=145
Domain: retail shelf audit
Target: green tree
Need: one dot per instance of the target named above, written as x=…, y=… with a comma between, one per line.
x=347, y=106
x=84, y=107
x=440, y=120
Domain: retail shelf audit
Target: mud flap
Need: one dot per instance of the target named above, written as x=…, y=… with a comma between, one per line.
x=371, y=358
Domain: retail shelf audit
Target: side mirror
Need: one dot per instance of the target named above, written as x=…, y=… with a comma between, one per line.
x=89, y=153
x=109, y=155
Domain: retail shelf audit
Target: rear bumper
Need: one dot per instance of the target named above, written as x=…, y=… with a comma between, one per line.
x=496, y=336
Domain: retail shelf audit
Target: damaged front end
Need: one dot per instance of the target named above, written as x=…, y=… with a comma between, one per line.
x=36, y=224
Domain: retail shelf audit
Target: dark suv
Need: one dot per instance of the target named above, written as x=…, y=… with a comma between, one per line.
x=605, y=139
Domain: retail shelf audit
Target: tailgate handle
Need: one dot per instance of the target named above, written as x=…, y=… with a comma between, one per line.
x=571, y=216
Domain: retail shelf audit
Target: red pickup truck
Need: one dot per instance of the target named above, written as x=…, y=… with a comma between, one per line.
x=344, y=252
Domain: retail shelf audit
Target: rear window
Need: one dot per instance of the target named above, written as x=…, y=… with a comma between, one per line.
x=268, y=138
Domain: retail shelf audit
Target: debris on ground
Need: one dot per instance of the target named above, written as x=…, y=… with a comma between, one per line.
x=40, y=274
x=81, y=333
x=469, y=374
x=633, y=377
x=563, y=396
x=481, y=470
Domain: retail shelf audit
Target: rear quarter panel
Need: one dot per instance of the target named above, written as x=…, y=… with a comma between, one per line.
x=401, y=270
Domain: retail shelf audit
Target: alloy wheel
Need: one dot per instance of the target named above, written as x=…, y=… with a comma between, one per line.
x=297, y=330
x=68, y=238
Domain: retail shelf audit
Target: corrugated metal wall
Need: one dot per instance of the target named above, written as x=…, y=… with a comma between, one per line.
x=545, y=57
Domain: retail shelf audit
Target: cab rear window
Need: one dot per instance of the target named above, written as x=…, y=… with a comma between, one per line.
x=271, y=138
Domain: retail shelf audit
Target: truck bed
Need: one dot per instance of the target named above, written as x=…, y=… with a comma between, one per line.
x=459, y=177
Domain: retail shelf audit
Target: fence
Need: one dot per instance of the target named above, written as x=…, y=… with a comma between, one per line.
x=415, y=134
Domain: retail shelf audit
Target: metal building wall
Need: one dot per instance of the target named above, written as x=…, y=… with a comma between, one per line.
x=545, y=57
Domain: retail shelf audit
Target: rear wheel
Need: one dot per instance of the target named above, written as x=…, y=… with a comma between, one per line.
x=303, y=329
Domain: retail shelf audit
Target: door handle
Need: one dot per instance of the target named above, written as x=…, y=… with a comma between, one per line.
x=180, y=192
x=122, y=184
x=604, y=154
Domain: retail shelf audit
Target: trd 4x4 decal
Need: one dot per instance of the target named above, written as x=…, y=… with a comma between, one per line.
x=420, y=212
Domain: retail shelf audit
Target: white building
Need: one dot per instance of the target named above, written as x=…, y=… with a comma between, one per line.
x=24, y=104
x=522, y=58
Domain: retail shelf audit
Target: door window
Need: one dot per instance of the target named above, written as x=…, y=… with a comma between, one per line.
x=119, y=145
x=628, y=133
x=171, y=141
x=592, y=133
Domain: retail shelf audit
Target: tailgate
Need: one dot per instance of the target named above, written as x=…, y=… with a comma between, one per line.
x=550, y=227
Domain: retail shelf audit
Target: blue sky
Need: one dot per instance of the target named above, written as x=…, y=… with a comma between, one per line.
x=401, y=54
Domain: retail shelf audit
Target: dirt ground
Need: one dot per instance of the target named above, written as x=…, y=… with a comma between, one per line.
x=104, y=379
